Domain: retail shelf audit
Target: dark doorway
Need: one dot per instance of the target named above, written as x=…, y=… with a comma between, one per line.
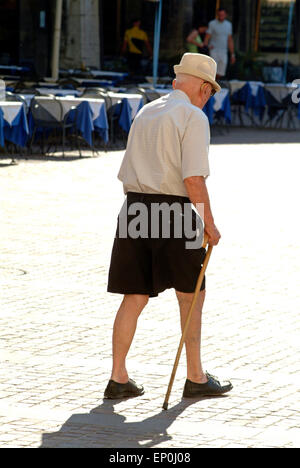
x=9, y=32
x=36, y=28
x=113, y=13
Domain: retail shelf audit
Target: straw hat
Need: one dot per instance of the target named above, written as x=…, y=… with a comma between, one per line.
x=201, y=66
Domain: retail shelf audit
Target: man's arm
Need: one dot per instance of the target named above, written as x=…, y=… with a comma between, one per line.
x=207, y=39
x=231, y=49
x=198, y=194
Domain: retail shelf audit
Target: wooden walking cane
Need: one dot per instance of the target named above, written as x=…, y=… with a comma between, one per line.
x=186, y=327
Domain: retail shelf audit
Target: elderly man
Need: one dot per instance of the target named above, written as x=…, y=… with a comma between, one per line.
x=165, y=167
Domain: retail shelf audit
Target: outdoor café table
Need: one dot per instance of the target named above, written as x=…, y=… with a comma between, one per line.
x=89, y=83
x=47, y=84
x=109, y=74
x=251, y=93
x=129, y=106
x=100, y=73
x=58, y=92
x=283, y=94
x=91, y=115
x=100, y=78
x=13, y=123
x=280, y=91
x=14, y=69
x=28, y=98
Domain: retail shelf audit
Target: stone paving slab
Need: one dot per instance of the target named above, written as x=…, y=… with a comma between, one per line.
x=58, y=220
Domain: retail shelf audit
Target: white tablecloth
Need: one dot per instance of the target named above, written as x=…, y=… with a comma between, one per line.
x=10, y=110
x=219, y=99
x=69, y=102
x=280, y=91
x=101, y=74
x=236, y=85
x=28, y=98
x=134, y=100
x=95, y=104
x=56, y=91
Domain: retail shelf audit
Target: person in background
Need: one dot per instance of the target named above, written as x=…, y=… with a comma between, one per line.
x=196, y=38
x=134, y=41
x=219, y=39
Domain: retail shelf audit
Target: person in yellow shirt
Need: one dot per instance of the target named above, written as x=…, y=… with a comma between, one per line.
x=134, y=41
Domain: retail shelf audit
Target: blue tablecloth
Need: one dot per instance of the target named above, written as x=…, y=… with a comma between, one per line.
x=86, y=125
x=256, y=102
x=17, y=132
x=125, y=120
x=224, y=111
x=1, y=129
x=98, y=83
x=14, y=69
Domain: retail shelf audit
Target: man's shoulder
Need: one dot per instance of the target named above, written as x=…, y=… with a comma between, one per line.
x=212, y=23
x=199, y=114
x=194, y=116
x=216, y=23
x=228, y=26
x=173, y=105
x=150, y=109
x=154, y=104
x=183, y=107
x=189, y=111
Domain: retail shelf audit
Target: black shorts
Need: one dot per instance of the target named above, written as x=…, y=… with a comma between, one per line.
x=151, y=263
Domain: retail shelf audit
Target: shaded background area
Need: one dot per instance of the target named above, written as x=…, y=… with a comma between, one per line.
x=26, y=30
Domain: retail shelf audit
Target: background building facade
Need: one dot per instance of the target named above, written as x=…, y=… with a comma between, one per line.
x=94, y=29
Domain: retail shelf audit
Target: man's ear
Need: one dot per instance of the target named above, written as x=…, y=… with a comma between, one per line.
x=206, y=88
x=174, y=84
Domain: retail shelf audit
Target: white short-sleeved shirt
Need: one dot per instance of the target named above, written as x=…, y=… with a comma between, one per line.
x=168, y=142
x=219, y=31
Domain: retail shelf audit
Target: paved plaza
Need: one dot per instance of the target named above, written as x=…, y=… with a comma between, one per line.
x=58, y=219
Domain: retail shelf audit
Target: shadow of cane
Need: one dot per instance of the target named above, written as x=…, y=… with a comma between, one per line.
x=104, y=427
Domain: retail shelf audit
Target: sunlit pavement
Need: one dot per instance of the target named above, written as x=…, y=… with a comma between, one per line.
x=58, y=220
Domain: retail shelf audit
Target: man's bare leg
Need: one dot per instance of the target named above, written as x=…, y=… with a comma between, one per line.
x=193, y=339
x=123, y=334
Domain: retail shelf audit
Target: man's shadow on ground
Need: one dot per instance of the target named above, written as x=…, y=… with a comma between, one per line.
x=103, y=427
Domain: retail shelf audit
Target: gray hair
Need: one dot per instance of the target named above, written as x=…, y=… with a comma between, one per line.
x=184, y=78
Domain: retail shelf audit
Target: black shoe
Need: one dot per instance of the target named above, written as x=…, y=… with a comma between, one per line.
x=116, y=391
x=211, y=388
